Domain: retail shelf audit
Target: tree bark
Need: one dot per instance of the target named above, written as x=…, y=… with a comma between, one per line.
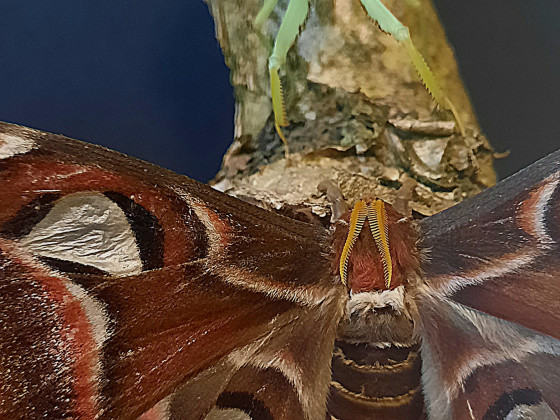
x=359, y=114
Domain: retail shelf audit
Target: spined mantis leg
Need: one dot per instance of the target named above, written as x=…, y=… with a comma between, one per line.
x=390, y=24
x=289, y=29
x=287, y=34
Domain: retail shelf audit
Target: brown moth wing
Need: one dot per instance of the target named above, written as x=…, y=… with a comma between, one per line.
x=125, y=287
x=499, y=252
x=490, y=306
x=476, y=366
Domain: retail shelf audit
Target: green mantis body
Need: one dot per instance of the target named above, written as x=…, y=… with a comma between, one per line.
x=289, y=29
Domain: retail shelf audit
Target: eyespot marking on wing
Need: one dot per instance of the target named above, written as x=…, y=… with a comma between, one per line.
x=244, y=402
x=146, y=228
x=90, y=229
x=28, y=216
x=14, y=145
x=519, y=404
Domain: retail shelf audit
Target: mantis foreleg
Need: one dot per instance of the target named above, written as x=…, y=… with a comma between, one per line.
x=289, y=30
x=265, y=12
x=390, y=24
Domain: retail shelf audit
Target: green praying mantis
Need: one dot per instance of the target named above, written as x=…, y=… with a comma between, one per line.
x=296, y=14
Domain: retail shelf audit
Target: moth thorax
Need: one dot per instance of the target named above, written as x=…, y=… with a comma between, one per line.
x=374, y=247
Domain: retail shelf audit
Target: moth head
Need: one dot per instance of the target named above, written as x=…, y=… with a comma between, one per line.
x=374, y=247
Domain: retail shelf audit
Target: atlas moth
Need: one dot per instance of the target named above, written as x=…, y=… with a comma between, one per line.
x=128, y=291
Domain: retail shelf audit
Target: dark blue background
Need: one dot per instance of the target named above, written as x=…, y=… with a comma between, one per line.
x=147, y=77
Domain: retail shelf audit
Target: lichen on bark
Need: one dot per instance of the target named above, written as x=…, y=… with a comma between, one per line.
x=359, y=115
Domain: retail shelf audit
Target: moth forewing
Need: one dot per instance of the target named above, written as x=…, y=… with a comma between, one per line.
x=241, y=309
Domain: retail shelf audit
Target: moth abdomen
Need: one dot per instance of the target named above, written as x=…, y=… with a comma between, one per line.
x=372, y=382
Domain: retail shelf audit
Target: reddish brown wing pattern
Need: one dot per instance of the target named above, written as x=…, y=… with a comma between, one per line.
x=490, y=308
x=124, y=286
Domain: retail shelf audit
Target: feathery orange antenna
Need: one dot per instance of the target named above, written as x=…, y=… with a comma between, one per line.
x=357, y=219
x=377, y=218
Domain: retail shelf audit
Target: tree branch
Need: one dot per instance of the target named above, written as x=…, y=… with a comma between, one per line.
x=360, y=116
